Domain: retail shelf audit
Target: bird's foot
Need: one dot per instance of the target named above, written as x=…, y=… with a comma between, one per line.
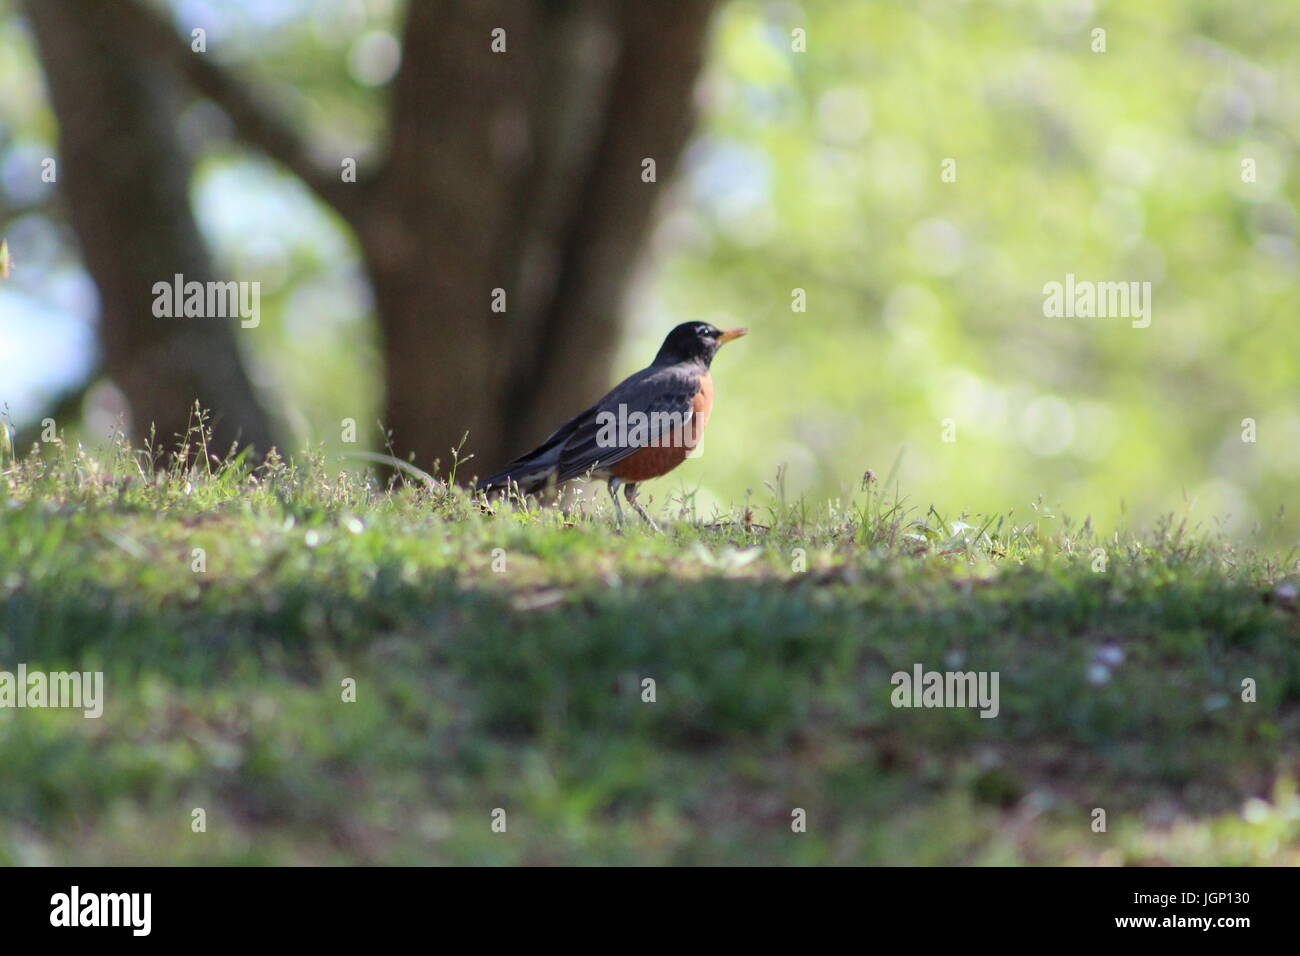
x=648, y=520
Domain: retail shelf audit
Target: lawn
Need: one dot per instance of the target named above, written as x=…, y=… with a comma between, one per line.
x=498, y=658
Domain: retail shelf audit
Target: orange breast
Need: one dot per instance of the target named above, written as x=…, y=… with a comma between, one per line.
x=655, y=460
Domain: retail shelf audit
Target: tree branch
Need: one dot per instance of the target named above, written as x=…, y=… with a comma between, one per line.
x=256, y=125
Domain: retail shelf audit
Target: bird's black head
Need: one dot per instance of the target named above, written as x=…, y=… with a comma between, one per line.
x=694, y=341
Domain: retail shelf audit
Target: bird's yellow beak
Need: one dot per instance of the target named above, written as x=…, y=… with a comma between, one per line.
x=730, y=334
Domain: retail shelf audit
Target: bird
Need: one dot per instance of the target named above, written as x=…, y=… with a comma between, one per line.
x=644, y=428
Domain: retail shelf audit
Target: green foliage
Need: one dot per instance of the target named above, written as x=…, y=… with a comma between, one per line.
x=482, y=685
x=822, y=171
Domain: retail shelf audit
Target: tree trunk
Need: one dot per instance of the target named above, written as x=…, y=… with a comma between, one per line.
x=126, y=183
x=520, y=171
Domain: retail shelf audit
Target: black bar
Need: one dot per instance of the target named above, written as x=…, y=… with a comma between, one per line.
x=223, y=905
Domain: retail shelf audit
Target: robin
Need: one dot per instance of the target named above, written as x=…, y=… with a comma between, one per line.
x=644, y=428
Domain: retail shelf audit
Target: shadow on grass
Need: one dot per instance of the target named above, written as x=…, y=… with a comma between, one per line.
x=765, y=691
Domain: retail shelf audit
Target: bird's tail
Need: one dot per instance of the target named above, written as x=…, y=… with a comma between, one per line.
x=535, y=471
x=526, y=475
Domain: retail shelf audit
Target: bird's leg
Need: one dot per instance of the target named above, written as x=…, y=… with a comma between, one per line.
x=630, y=492
x=614, y=484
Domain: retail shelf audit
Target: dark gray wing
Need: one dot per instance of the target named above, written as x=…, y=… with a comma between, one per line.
x=663, y=394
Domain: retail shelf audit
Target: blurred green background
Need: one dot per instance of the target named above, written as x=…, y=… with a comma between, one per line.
x=821, y=171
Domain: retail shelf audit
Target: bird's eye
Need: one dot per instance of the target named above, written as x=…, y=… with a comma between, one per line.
x=703, y=330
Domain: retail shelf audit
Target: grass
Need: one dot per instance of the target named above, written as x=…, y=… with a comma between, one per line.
x=498, y=657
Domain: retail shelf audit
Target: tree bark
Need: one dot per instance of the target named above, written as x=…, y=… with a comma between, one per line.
x=126, y=183
x=520, y=171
